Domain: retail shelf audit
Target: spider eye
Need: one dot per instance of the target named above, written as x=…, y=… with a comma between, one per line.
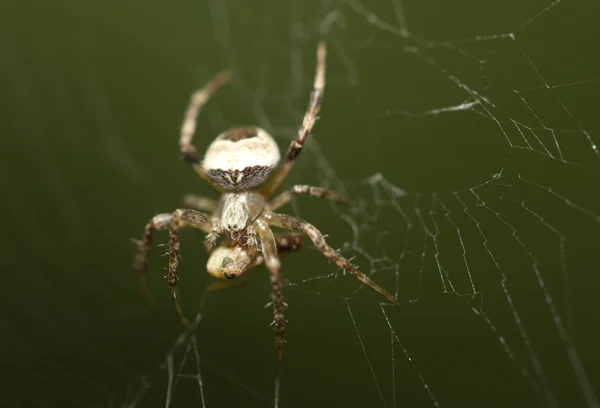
x=226, y=261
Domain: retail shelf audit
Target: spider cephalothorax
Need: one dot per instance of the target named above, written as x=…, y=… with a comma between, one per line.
x=243, y=164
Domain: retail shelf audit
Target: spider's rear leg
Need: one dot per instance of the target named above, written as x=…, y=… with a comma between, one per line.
x=188, y=127
x=314, y=105
x=182, y=218
x=320, y=192
x=294, y=224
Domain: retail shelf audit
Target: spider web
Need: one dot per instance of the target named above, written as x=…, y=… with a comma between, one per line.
x=465, y=133
x=496, y=256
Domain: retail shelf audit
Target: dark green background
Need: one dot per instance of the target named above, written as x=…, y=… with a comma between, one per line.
x=92, y=98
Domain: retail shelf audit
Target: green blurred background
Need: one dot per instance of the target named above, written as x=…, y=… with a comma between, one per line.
x=483, y=112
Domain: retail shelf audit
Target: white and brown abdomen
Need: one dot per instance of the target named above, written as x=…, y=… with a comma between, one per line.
x=241, y=158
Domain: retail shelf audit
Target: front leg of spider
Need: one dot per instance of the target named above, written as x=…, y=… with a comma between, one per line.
x=294, y=224
x=173, y=221
x=269, y=250
x=181, y=218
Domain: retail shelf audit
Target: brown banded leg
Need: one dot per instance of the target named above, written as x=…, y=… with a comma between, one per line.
x=294, y=224
x=160, y=221
x=319, y=192
x=175, y=221
x=269, y=252
x=316, y=98
x=188, y=128
x=200, y=203
x=182, y=218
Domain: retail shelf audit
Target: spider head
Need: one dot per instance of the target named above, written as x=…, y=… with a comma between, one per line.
x=228, y=262
x=241, y=158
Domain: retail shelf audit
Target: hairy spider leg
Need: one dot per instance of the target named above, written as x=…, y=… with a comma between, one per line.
x=140, y=264
x=269, y=251
x=182, y=218
x=188, y=128
x=316, y=98
x=294, y=224
x=288, y=195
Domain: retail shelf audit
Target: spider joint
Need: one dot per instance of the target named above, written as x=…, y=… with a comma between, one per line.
x=190, y=156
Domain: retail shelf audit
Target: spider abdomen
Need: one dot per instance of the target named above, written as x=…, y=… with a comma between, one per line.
x=241, y=158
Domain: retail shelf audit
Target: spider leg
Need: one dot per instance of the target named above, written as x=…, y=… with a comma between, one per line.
x=160, y=221
x=205, y=205
x=294, y=224
x=269, y=252
x=188, y=128
x=200, y=203
x=181, y=218
x=297, y=190
x=174, y=221
x=316, y=98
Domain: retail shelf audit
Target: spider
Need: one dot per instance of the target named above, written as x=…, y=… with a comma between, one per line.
x=243, y=165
